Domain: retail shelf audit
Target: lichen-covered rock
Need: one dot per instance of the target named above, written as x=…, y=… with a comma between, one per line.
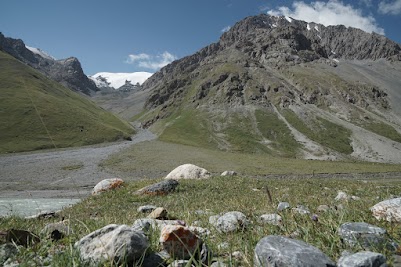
x=107, y=185
x=366, y=235
x=230, y=222
x=179, y=241
x=117, y=243
x=285, y=252
x=273, y=219
x=188, y=171
x=161, y=188
x=389, y=210
x=300, y=209
x=146, y=208
x=363, y=259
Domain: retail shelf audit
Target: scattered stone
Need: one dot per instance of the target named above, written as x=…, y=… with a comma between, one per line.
x=181, y=263
x=188, y=171
x=7, y=251
x=300, y=209
x=21, y=237
x=159, y=213
x=273, y=219
x=283, y=206
x=389, y=210
x=56, y=231
x=147, y=224
x=228, y=173
x=119, y=243
x=323, y=208
x=363, y=258
x=281, y=251
x=179, y=241
x=314, y=217
x=107, y=185
x=231, y=221
x=146, y=208
x=218, y=264
x=238, y=255
x=200, y=231
x=341, y=196
x=161, y=188
x=366, y=235
x=356, y=198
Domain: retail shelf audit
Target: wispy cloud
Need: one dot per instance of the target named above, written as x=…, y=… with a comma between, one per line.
x=392, y=7
x=332, y=12
x=150, y=61
x=226, y=29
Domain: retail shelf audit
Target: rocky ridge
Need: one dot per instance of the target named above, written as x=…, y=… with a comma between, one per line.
x=304, y=76
x=67, y=71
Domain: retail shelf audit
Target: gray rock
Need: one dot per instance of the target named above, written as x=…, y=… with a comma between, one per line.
x=281, y=251
x=213, y=219
x=7, y=251
x=146, y=208
x=282, y=206
x=363, y=259
x=341, y=196
x=389, y=210
x=57, y=230
x=118, y=243
x=366, y=235
x=231, y=221
x=188, y=171
x=158, y=213
x=200, y=231
x=273, y=219
x=300, y=209
x=181, y=263
x=228, y=173
x=162, y=188
x=155, y=259
x=323, y=208
x=146, y=224
x=218, y=264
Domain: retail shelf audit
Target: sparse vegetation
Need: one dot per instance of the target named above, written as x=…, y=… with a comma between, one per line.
x=222, y=194
x=37, y=113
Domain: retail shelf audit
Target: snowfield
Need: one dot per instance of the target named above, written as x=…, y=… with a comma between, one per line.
x=117, y=80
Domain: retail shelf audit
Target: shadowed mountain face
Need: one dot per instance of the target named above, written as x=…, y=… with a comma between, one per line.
x=68, y=71
x=284, y=87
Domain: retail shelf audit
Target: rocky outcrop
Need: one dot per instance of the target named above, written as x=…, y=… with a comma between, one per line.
x=68, y=71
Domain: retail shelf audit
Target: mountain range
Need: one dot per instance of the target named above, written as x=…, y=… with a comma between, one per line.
x=284, y=87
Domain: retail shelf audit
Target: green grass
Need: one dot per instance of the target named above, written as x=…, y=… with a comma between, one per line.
x=217, y=195
x=383, y=129
x=37, y=113
x=156, y=159
x=322, y=131
x=277, y=131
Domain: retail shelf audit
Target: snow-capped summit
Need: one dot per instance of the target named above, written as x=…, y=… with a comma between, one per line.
x=40, y=52
x=116, y=80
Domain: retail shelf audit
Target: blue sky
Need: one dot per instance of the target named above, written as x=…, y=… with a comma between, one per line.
x=130, y=35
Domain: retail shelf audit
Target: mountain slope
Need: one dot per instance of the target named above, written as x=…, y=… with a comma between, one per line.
x=116, y=80
x=37, y=113
x=68, y=71
x=284, y=87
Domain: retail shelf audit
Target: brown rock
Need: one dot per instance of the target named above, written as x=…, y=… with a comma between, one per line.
x=21, y=237
x=179, y=241
x=159, y=213
x=106, y=185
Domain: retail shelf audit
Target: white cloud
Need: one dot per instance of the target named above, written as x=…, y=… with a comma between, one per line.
x=332, y=12
x=150, y=61
x=393, y=7
x=226, y=29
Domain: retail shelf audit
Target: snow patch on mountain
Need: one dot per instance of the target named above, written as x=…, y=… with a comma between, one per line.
x=116, y=80
x=40, y=52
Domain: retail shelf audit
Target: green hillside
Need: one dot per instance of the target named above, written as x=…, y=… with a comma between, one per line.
x=37, y=113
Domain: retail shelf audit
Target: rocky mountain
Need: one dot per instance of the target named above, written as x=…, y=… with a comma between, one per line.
x=68, y=71
x=110, y=80
x=284, y=87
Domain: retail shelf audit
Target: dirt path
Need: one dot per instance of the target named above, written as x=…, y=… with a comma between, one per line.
x=62, y=173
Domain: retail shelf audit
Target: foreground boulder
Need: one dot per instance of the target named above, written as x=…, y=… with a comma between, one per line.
x=389, y=210
x=230, y=222
x=117, y=243
x=366, y=235
x=161, y=188
x=179, y=241
x=107, y=185
x=188, y=171
x=285, y=252
x=363, y=258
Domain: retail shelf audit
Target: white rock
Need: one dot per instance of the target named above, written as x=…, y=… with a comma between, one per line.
x=389, y=210
x=106, y=185
x=273, y=219
x=228, y=173
x=341, y=196
x=188, y=171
